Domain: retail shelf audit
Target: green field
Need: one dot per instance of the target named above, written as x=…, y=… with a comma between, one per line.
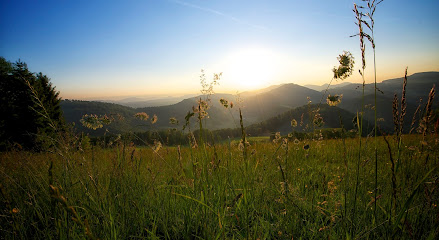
x=273, y=191
x=358, y=160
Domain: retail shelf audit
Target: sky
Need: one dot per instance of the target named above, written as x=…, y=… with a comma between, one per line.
x=103, y=49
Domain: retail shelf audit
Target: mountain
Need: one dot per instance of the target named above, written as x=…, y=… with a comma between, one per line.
x=259, y=106
x=282, y=122
x=142, y=102
x=324, y=86
x=75, y=109
x=262, y=106
x=255, y=107
x=418, y=86
x=259, y=91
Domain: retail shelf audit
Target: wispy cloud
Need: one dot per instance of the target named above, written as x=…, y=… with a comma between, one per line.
x=209, y=10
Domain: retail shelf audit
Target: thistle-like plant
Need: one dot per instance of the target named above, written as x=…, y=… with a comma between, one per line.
x=173, y=121
x=224, y=102
x=293, y=123
x=93, y=121
x=154, y=119
x=343, y=70
x=142, y=116
x=345, y=67
x=334, y=100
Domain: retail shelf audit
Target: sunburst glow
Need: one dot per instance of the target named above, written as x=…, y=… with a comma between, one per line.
x=251, y=68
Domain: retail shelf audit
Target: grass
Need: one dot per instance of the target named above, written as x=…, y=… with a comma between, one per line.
x=246, y=188
x=132, y=193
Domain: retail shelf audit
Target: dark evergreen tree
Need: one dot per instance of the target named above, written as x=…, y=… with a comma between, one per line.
x=48, y=106
x=30, y=110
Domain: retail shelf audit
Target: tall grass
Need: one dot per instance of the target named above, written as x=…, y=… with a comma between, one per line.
x=158, y=200
x=241, y=189
x=224, y=191
x=369, y=23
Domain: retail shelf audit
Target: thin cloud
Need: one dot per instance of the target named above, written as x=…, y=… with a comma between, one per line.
x=186, y=4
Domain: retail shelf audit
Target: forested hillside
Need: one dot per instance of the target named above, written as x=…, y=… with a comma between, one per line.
x=259, y=107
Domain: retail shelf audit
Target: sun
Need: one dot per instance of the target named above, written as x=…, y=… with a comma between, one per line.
x=250, y=68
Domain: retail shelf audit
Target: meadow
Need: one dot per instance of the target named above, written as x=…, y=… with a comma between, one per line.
x=361, y=184
x=310, y=189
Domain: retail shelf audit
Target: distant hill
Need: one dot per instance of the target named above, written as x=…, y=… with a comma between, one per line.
x=324, y=86
x=75, y=109
x=262, y=105
x=255, y=107
x=259, y=91
x=142, y=102
x=418, y=86
x=282, y=122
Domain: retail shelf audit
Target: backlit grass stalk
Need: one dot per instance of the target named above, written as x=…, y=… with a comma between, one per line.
x=286, y=146
x=371, y=6
x=343, y=71
x=412, y=125
x=284, y=179
x=202, y=105
x=359, y=23
x=346, y=177
x=243, y=145
x=60, y=144
x=62, y=148
x=243, y=138
x=400, y=119
x=428, y=113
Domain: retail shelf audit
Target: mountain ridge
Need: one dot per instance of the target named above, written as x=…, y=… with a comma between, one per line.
x=260, y=105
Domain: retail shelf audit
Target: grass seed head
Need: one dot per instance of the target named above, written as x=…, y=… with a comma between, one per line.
x=154, y=119
x=334, y=100
x=293, y=123
x=224, y=102
x=173, y=121
x=346, y=66
x=142, y=116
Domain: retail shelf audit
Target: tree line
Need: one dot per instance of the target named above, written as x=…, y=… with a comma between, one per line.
x=31, y=117
x=30, y=112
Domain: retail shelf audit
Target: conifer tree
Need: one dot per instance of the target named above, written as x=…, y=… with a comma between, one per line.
x=30, y=110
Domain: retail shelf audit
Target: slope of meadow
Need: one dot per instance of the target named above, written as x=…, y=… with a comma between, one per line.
x=268, y=190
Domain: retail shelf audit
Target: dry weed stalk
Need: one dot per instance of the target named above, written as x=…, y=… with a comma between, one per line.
x=412, y=125
x=399, y=112
x=395, y=113
x=398, y=118
x=359, y=15
x=428, y=113
x=243, y=136
x=403, y=103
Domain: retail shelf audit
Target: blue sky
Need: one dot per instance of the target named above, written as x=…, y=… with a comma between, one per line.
x=96, y=49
